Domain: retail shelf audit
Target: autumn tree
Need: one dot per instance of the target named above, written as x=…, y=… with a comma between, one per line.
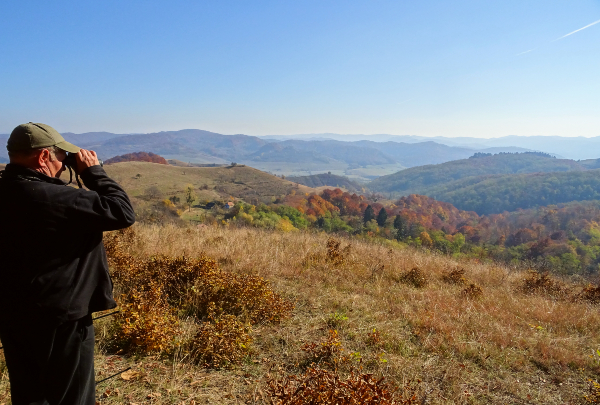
x=369, y=214
x=382, y=217
x=190, y=196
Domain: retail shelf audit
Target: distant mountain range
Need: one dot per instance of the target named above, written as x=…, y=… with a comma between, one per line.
x=198, y=146
x=560, y=146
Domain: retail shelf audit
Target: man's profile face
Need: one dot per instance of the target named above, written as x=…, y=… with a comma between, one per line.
x=56, y=166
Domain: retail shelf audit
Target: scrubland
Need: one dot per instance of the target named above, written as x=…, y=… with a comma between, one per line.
x=346, y=312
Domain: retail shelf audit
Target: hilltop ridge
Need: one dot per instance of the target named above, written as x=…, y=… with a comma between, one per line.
x=426, y=179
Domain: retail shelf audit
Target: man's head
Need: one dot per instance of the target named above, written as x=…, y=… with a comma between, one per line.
x=39, y=147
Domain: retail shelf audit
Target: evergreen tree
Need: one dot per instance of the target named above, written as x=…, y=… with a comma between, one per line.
x=382, y=217
x=369, y=214
x=399, y=226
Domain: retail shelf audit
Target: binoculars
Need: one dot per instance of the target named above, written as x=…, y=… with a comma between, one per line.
x=71, y=161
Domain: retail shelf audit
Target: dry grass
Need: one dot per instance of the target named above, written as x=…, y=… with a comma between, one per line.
x=506, y=346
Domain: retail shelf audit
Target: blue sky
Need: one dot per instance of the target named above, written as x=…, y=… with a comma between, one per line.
x=449, y=68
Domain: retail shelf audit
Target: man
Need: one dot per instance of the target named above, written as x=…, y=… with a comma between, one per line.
x=53, y=268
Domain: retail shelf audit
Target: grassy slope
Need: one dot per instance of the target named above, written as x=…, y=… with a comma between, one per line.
x=240, y=181
x=504, y=348
x=325, y=179
x=424, y=179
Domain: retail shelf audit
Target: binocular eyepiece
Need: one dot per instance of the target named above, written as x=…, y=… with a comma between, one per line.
x=71, y=161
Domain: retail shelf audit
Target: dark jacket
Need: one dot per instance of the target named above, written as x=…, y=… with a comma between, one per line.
x=52, y=260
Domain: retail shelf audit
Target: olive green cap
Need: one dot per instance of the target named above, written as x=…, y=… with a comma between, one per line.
x=33, y=136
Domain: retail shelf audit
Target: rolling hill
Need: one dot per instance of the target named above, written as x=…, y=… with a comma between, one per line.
x=498, y=193
x=428, y=179
x=210, y=182
x=327, y=179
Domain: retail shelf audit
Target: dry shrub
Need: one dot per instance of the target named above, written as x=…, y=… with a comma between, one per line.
x=455, y=276
x=415, y=277
x=220, y=342
x=336, y=255
x=192, y=283
x=594, y=393
x=247, y=296
x=472, y=291
x=154, y=288
x=328, y=351
x=590, y=294
x=374, y=339
x=543, y=284
x=145, y=323
x=319, y=386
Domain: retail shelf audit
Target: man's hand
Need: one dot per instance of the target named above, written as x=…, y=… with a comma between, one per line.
x=85, y=159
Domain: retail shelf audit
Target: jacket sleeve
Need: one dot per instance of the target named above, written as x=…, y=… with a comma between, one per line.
x=106, y=206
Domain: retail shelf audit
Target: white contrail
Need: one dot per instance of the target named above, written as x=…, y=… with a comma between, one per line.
x=523, y=53
x=580, y=29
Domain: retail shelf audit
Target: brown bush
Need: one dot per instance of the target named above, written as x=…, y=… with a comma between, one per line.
x=334, y=253
x=157, y=288
x=319, y=386
x=543, y=284
x=328, y=351
x=374, y=339
x=593, y=396
x=590, y=294
x=249, y=297
x=221, y=342
x=191, y=284
x=145, y=323
x=415, y=277
x=472, y=291
x=455, y=276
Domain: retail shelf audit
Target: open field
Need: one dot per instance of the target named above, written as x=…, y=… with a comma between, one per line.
x=239, y=181
x=501, y=347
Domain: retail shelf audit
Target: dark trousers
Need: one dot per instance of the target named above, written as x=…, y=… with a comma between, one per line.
x=50, y=365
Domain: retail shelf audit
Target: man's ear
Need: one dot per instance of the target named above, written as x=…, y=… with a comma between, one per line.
x=43, y=158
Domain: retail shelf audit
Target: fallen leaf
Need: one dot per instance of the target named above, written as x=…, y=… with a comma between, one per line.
x=129, y=375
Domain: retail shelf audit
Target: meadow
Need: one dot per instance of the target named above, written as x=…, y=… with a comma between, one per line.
x=440, y=330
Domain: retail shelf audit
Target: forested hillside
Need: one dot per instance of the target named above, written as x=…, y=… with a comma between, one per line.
x=424, y=179
x=496, y=194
